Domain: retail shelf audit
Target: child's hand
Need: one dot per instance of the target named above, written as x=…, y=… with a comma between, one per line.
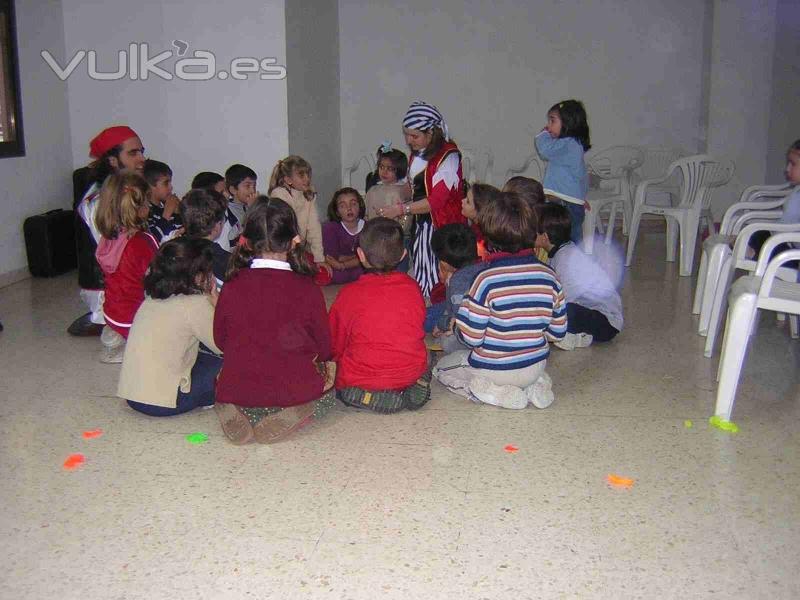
x=334, y=263
x=171, y=206
x=451, y=327
x=325, y=266
x=437, y=332
x=586, y=206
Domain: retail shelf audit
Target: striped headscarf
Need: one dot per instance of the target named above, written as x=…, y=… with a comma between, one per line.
x=424, y=116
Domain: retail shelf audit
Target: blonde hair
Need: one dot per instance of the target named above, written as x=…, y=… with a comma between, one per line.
x=121, y=199
x=284, y=169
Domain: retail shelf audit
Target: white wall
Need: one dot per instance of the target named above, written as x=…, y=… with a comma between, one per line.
x=495, y=68
x=41, y=180
x=784, y=123
x=191, y=125
x=743, y=43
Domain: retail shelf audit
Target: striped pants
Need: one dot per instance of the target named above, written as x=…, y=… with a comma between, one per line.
x=426, y=268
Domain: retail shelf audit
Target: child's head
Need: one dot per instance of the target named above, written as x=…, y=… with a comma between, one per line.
x=240, y=182
x=478, y=196
x=159, y=176
x=381, y=245
x=554, y=227
x=508, y=223
x=208, y=180
x=292, y=173
x=124, y=204
x=793, y=163
x=568, y=119
x=455, y=245
x=203, y=213
x=183, y=265
x=346, y=206
x=392, y=165
x=526, y=188
x=270, y=231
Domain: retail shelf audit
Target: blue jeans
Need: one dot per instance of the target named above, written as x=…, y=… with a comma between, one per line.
x=204, y=379
x=577, y=214
x=433, y=314
x=585, y=320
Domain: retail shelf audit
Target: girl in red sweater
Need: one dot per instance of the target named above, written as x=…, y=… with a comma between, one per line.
x=124, y=254
x=272, y=326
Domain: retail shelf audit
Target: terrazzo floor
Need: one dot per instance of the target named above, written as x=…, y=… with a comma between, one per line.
x=423, y=505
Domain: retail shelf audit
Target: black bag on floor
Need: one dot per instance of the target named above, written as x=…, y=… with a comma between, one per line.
x=50, y=243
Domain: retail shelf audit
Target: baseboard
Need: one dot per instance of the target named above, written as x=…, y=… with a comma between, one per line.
x=12, y=277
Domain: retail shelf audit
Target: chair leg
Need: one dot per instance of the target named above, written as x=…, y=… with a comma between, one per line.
x=794, y=330
x=701, y=282
x=633, y=232
x=612, y=219
x=718, y=255
x=718, y=305
x=672, y=237
x=589, y=225
x=688, y=232
x=740, y=320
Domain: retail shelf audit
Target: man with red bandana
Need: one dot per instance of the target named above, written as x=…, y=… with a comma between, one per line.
x=113, y=149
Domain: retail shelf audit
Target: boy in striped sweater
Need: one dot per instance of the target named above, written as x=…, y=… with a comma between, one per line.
x=512, y=310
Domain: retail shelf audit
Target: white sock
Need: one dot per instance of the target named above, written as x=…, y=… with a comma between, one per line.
x=540, y=393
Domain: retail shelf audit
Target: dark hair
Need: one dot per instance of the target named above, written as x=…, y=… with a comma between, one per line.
x=398, y=159
x=201, y=210
x=483, y=194
x=436, y=143
x=455, y=244
x=183, y=265
x=155, y=170
x=526, y=188
x=206, y=180
x=556, y=222
x=573, y=121
x=270, y=226
x=795, y=147
x=333, y=214
x=381, y=240
x=236, y=174
x=101, y=168
x=509, y=223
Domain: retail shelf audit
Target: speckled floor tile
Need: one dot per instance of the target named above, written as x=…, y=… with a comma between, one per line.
x=425, y=504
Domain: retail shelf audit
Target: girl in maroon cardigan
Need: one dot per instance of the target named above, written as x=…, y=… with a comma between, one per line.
x=272, y=326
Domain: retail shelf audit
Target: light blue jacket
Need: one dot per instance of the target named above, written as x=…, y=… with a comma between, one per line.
x=566, y=172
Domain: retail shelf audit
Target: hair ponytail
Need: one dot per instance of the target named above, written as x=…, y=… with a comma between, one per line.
x=241, y=257
x=298, y=259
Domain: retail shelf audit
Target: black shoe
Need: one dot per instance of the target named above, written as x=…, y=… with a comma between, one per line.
x=83, y=327
x=1, y=326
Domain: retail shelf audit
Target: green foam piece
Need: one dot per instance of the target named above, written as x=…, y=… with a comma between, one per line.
x=688, y=424
x=723, y=425
x=198, y=437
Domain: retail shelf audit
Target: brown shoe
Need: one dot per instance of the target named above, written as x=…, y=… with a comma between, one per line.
x=276, y=427
x=234, y=423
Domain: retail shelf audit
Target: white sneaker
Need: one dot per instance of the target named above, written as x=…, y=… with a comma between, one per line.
x=540, y=393
x=505, y=396
x=574, y=340
x=113, y=346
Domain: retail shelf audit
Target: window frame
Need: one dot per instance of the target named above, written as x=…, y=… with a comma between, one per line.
x=10, y=56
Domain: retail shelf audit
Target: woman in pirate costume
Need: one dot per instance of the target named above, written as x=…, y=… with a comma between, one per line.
x=437, y=186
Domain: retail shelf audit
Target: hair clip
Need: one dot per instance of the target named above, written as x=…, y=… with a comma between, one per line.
x=386, y=147
x=242, y=242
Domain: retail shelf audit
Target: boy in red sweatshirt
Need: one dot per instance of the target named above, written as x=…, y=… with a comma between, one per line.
x=377, y=328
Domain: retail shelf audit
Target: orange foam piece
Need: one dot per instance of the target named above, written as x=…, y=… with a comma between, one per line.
x=511, y=448
x=92, y=433
x=617, y=481
x=74, y=461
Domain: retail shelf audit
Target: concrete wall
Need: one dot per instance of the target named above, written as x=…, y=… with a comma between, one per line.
x=312, y=63
x=40, y=180
x=191, y=125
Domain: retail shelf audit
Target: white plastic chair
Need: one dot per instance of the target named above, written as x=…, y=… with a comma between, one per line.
x=701, y=173
x=657, y=163
x=355, y=167
x=532, y=167
x=737, y=259
x=752, y=205
x=477, y=165
x=762, y=290
x=614, y=165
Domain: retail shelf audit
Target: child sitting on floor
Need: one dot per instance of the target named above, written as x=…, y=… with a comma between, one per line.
x=455, y=248
x=124, y=254
x=376, y=326
x=594, y=308
x=204, y=217
x=272, y=326
x=162, y=373
x=164, y=219
x=340, y=235
x=240, y=183
x=512, y=309
x=231, y=227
